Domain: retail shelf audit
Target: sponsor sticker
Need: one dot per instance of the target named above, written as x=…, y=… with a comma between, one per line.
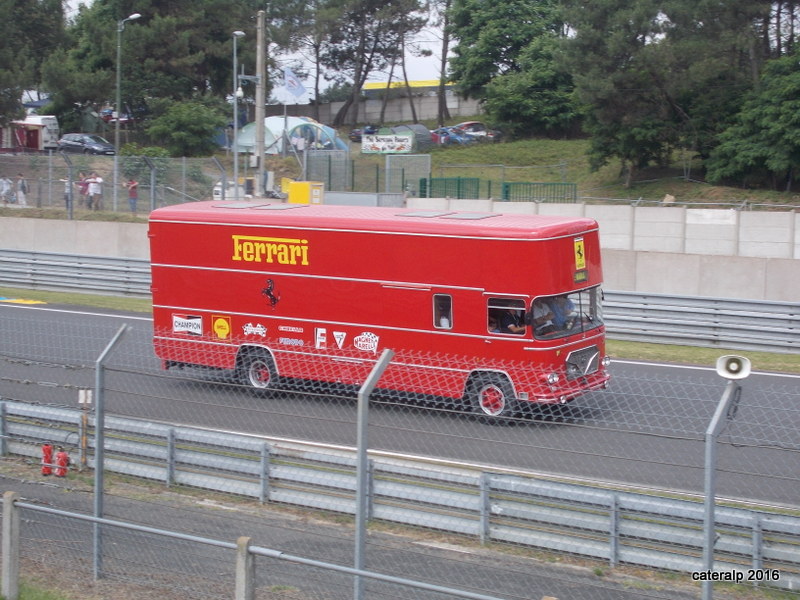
x=221, y=326
x=366, y=341
x=290, y=328
x=339, y=337
x=190, y=324
x=290, y=341
x=580, y=254
x=255, y=329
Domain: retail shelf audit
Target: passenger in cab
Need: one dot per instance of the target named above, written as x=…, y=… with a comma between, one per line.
x=542, y=318
x=564, y=314
x=512, y=322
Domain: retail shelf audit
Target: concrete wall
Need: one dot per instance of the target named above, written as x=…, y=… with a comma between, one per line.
x=397, y=109
x=676, y=250
x=669, y=250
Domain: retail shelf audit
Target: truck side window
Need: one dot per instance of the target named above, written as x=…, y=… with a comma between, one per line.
x=442, y=311
x=506, y=315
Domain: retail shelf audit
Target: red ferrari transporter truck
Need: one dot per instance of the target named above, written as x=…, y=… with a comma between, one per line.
x=495, y=311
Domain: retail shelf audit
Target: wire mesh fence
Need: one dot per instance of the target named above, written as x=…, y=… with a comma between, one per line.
x=54, y=180
x=644, y=435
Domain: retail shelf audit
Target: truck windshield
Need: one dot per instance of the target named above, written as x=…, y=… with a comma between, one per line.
x=566, y=314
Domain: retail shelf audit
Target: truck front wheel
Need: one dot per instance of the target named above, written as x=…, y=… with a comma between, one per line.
x=491, y=395
x=257, y=370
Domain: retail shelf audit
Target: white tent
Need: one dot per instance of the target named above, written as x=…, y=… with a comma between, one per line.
x=301, y=132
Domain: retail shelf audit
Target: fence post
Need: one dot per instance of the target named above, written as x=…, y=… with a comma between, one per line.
x=10, y=547
x=263, y=492
x=614, y=530
x=170, y=470
x=758, y=541
x=485, y=507
x=3, y=430
x=245, y=570
x=362, y=467
x=99, y=447
x=726, y=410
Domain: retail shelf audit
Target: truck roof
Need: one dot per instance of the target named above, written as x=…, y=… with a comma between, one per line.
x=376, y=219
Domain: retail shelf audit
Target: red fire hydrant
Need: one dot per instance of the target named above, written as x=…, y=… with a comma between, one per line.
x=62, y=462
x=47, y=459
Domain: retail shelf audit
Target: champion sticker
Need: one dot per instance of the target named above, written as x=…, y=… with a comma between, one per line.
x=187, y=324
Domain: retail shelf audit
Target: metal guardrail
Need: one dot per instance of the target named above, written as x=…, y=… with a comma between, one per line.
x=696, y=321
x=75, y=273
x=713, y=322
x=619, y=527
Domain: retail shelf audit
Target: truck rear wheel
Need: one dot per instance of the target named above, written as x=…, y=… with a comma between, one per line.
x=257, y=370
x=491, y=396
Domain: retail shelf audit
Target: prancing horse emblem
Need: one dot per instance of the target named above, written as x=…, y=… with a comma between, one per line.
x=268, y=291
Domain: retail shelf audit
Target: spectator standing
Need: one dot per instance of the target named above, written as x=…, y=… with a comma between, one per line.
x=83, y=188
x=133, y=193
x=22, y=190
x=6, y=187
x=95, y=199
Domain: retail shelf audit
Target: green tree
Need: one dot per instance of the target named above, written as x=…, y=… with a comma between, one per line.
x=178, y=49
x=366, y=40
x=644, y=72
x=187, y=128
x=306, y=30
x=30, y=30
x=537, y=98
x=491, y=38
x=763, y=146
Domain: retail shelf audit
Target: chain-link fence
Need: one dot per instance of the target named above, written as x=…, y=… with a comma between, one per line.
x=54, y=180
x=340, y=172
x=543, y=471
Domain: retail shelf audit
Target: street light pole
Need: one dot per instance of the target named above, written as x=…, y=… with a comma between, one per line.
x=236, y=92
x=120, y=29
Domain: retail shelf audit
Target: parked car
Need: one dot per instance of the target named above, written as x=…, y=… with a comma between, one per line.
x=480, y=131
x=441, y=136
x=110, y=116
x=355, y=134
x=457, y=136
x=86, y=143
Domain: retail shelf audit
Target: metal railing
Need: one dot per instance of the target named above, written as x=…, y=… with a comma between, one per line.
x=712, y=322
x=245, y=577
x=617, y=526
x=75, y=273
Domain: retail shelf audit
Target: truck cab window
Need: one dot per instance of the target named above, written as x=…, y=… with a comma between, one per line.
x=565, y=314
x=442, y=311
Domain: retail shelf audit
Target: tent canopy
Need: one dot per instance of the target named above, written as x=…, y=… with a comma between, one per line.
x=302, y=133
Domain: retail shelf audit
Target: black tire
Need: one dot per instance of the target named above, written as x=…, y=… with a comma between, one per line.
x=257, y=370
x=491, y=396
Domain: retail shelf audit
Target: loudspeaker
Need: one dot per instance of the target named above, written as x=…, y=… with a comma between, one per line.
x=731, y=366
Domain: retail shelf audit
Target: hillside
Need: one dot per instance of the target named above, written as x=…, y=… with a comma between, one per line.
x=566, y=160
